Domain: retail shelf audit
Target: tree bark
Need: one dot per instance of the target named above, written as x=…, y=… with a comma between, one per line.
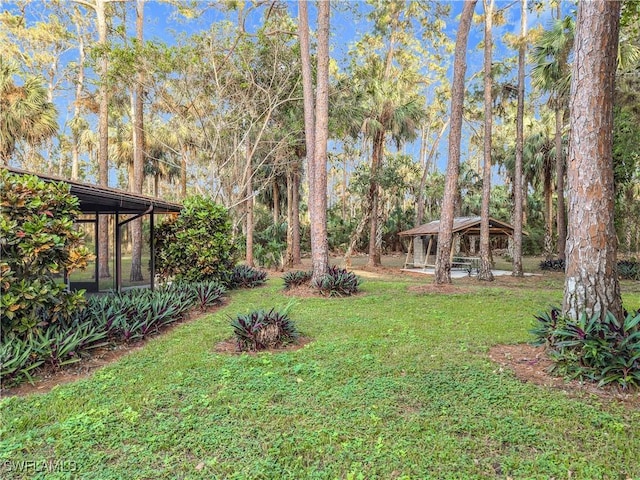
x=591, y=282
x=485, y=273
x=138, y=151
x=445, y=235
x=103, y=137
x=276, y=200
x=517, y=183
x=376, y=161
x=548, y=213
x=319, y=242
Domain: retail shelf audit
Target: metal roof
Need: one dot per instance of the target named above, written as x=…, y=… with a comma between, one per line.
x=94, y=198
x=461, y=225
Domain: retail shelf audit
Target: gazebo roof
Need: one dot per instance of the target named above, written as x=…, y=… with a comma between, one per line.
x=465, y=225
x=94, y=198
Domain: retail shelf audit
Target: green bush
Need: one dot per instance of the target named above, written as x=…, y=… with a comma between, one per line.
x=197, y=244
x=260, y=329
x=338, y=282
x=244, y=276
x=38, y=241
x=606, y=351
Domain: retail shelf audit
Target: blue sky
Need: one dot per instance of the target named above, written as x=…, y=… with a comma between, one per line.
x=162, y=23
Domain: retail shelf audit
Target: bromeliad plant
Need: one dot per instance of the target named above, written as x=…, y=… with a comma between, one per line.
x=260, y=330
x=605, y=350
x=296, y=278
x=244, y=276
x=338, y=282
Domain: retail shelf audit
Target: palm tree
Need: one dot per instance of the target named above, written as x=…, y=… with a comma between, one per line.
x=25, y=113
x=551, y=73
x=382, y=108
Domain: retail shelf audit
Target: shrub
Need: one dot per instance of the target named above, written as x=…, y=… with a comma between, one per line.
x=629, y=270
x=244, y=276
x=338, y=282
x=606, y=351
x=552, y=265
x=196, y=245
x=259, y=330
x=296, y=278
x=38, y=241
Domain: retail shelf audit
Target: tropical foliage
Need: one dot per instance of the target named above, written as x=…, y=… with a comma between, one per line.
x=197, y=244
x=39, y=245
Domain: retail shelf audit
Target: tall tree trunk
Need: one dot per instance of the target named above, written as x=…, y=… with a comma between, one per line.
x=289, y=254
x=307, y=91
x=561, y=222
x=276, y=201
x=548, y=213
x=138, y=151
x=297, y=260
x=75, y=143
x=517, y=178
x=374, y=200
x=591, y=282
x=103, y=137
x=445, y=235
x=319, y=241
x=485, y=273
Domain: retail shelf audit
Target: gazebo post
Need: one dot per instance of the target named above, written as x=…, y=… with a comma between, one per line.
x=152, y=254
x=118, y=254
x=426, y=258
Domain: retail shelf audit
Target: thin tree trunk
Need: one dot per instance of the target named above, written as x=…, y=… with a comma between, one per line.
x=445, y=235
x=75, y=144
x=289, y=254
x=485, y=273
x=560, y=207
x=591, y=282
x=376, y=160
x=103, y=137
x=517, y=184
x=138, y=151
x=319, y=241
x=276, y=201
x=297, y=260
x=548, y=215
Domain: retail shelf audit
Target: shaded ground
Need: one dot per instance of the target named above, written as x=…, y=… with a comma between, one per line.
x=230, y=347
x=530, y=364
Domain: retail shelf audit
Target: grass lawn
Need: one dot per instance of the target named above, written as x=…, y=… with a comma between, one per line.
x=396, y=384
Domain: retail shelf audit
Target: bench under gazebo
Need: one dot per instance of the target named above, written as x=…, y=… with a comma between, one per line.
x=421, y=250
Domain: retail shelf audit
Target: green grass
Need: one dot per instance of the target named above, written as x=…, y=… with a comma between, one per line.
x=395, y=385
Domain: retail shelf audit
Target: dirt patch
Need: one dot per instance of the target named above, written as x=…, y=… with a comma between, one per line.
x=229, y=347
x=530, y=364
x=47, y=377
x=302, y=291
x=443, y=289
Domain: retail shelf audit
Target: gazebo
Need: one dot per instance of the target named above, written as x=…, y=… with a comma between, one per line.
x=98, y=204
x=421, y=249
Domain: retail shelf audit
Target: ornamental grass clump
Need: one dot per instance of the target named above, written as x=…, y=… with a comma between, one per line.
x=244, y=276
x=296, y=279
x=603, y=350
x=338, y=282
x=260, y=330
